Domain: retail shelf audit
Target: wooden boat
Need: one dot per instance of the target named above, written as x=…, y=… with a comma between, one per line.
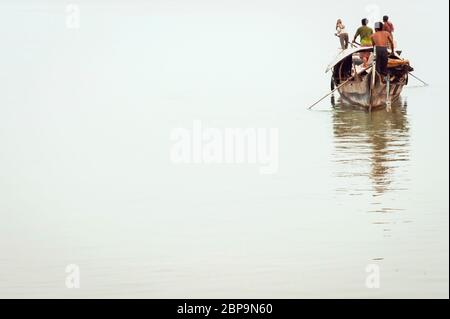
x=365, y=86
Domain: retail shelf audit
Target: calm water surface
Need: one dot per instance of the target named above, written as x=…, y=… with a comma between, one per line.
x=86, y=177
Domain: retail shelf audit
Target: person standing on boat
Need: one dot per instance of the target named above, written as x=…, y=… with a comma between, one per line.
x=342, y=34
x=381, y=40
x=364, y=33
x=387, y=25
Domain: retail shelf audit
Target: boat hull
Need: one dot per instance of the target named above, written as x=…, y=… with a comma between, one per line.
x=362, y=92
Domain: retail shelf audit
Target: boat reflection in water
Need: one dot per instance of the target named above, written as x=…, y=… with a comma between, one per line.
x=371, y=149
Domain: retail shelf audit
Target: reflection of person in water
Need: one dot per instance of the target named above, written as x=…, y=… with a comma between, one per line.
x=385, y=135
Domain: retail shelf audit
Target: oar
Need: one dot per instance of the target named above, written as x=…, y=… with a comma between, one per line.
x=330, y=92
x=424, y=83
x=340, y=85
x=388, y=93
x=374, y=75
x=351, y=43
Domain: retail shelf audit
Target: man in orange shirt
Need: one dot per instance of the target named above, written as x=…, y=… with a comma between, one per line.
x=381, y=40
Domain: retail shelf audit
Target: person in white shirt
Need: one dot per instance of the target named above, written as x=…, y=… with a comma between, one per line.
x=342, y=34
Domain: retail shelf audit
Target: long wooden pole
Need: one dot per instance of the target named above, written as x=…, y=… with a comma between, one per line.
x=374, y=75
x=424, y=83
x=388, y=93
x=338, y=87
x=351, y=43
